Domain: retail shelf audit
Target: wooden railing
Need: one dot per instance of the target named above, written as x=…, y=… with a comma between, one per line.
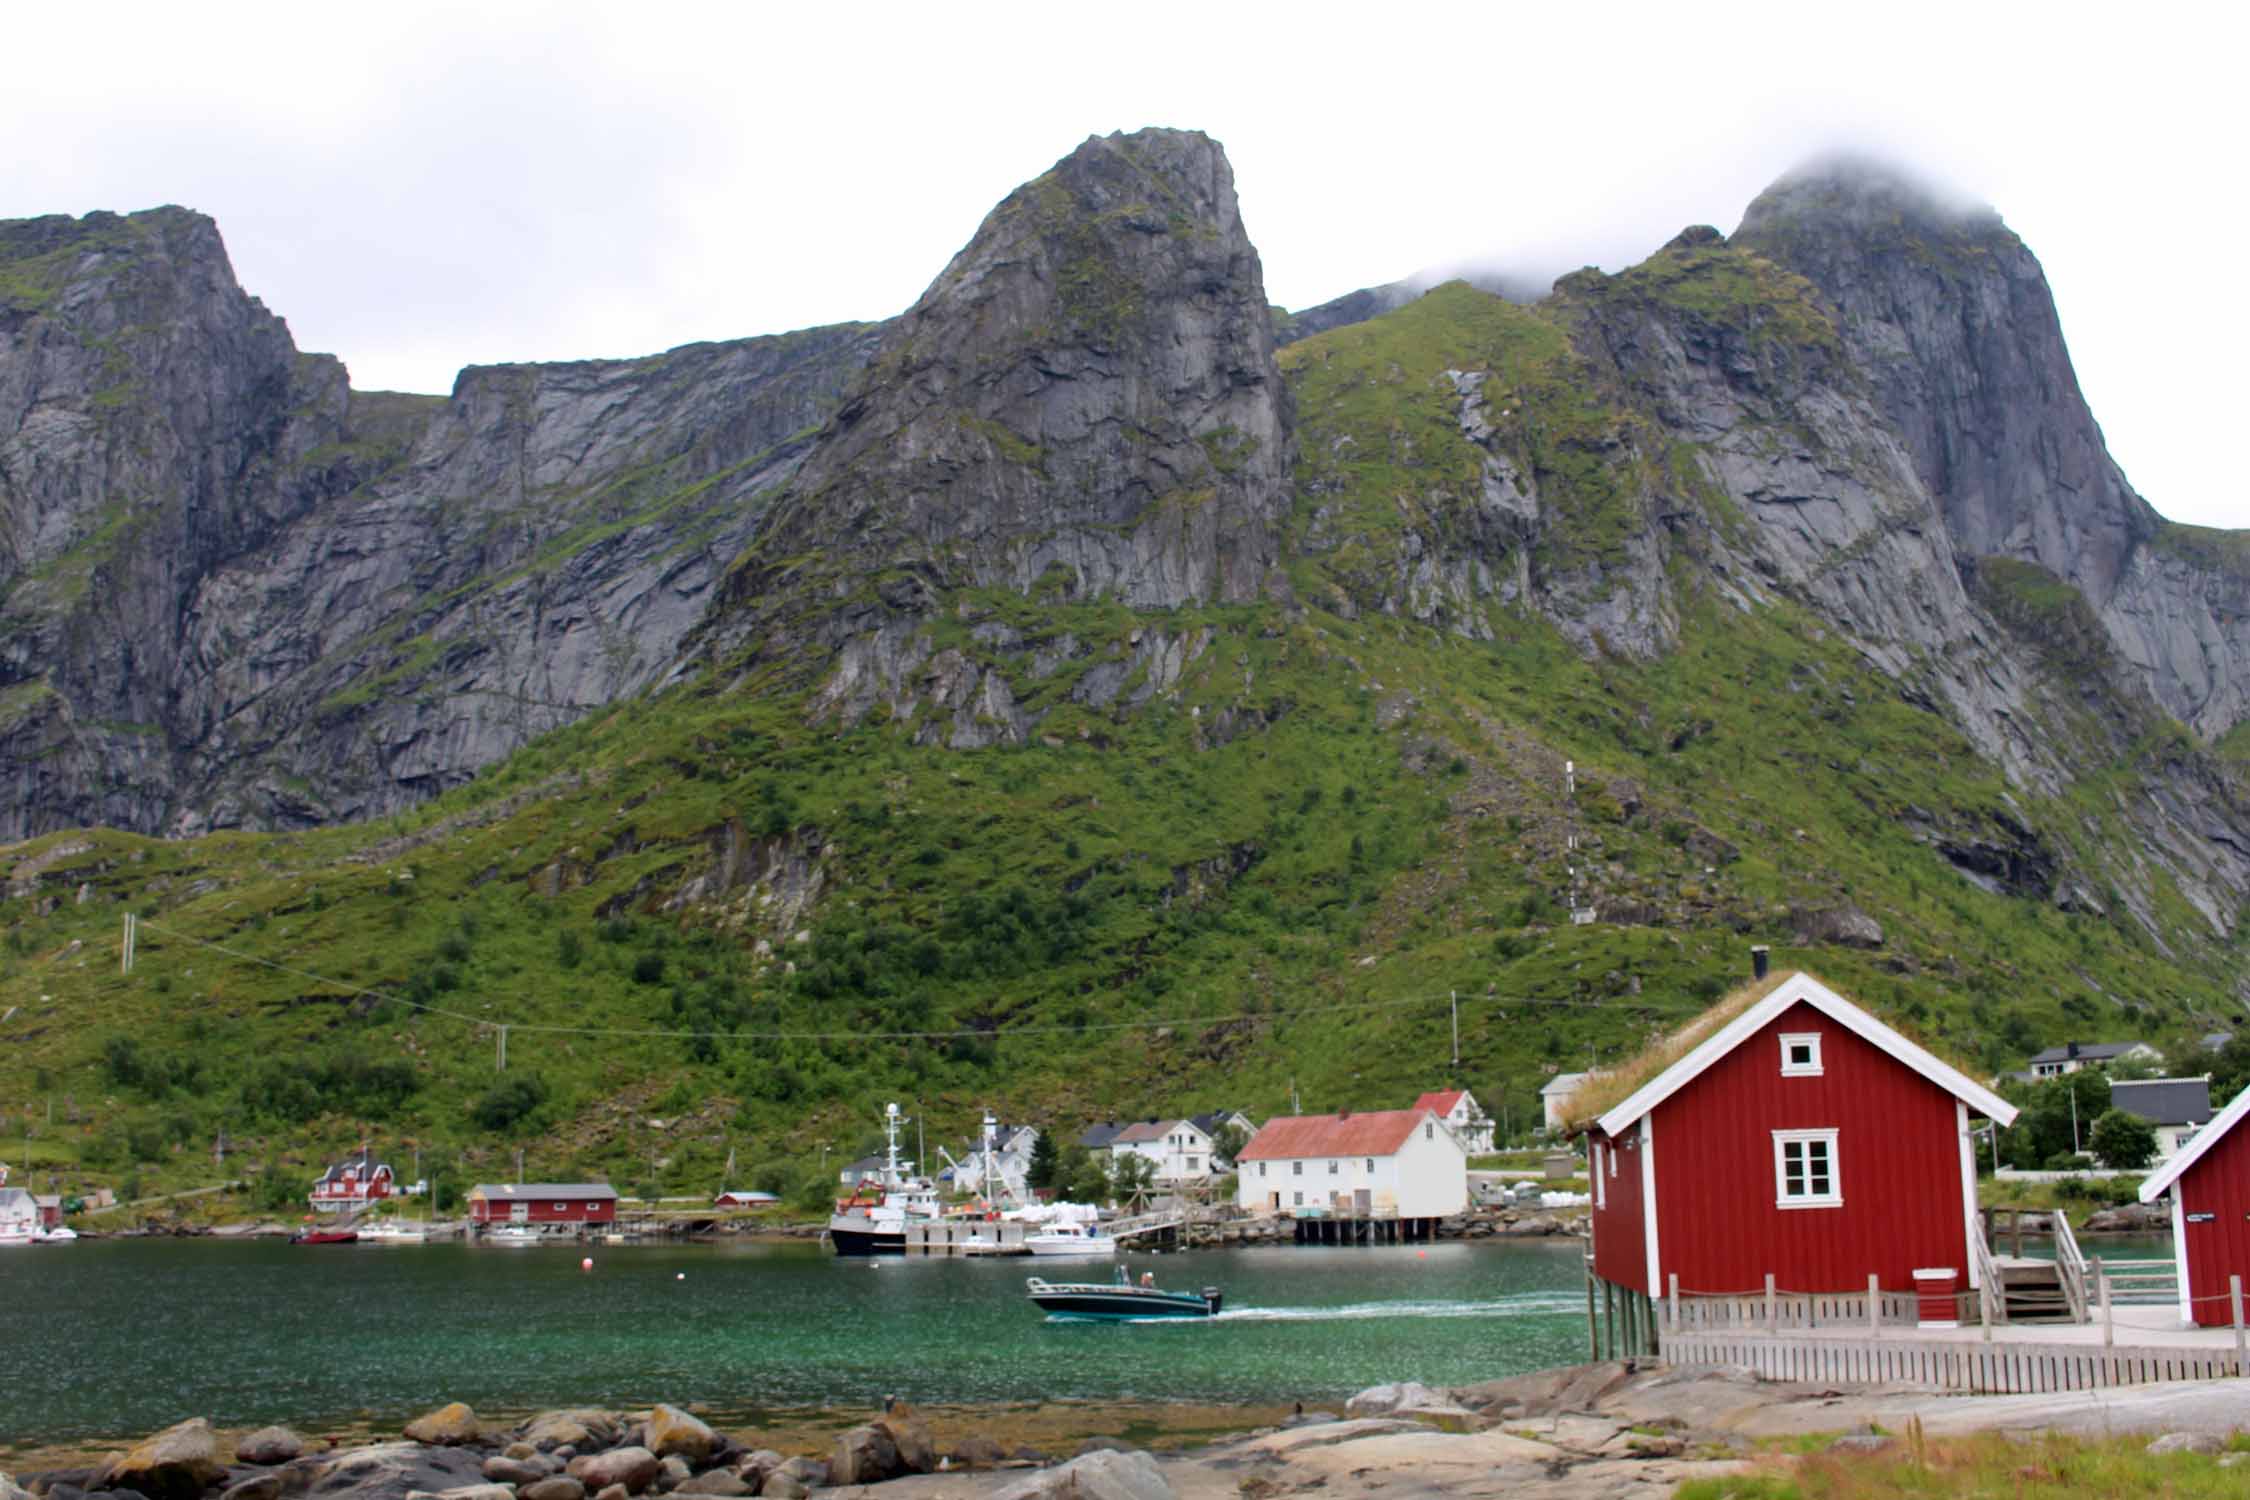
x=1992, y=1301
x=2070, y=1266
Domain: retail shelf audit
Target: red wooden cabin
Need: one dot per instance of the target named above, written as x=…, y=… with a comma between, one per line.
x=352, y=1184
x=543, y=1203
x=1800, y=1138
x=2209, y=1180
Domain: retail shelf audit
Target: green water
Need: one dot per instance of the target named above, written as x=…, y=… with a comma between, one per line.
x=109, y=1338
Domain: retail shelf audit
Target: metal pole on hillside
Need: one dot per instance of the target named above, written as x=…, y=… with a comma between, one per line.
x=1453, y=998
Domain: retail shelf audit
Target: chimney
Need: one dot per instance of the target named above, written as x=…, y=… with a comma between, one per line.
x=1758, y=958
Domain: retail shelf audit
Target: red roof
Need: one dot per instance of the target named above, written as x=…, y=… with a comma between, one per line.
x=1440, y=1104
x=1380, y=1133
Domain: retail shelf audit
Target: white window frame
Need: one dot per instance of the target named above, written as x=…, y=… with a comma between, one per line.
x=1834, y=1197
x=1790, y=1040
x=1601, y=1193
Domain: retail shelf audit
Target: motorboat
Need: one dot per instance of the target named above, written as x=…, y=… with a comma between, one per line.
x=1071, y=1239
x=61, y=1234
x=395, y=1232
x=1121, y=1300
x=875, y=1218
x=325, y=1237
x=511, y=1234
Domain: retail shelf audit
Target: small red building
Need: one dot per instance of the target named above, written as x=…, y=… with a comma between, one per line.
x=566, y=1203
x=1798, y=1137
x=2209, y=1180
x=352, y=1184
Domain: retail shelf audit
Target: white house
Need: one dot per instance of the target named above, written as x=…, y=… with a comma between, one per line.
x=2175, y=1107
x=1556, y=1095
x=19, y=1216
x=1177, y=1150
x=1011, y=1162
x=1399, y=1162
x=2070, y=1057
x=1458, y=1112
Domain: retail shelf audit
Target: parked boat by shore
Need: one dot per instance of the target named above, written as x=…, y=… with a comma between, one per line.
x=874, y=1219
x=1119, y=1301
x=325, y=1237
x=1071, y=1239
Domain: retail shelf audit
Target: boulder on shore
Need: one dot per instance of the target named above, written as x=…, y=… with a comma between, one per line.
x=391, y=1471
x=450, y=1425
x=268, y=1446
x=978, y=1452
x=178, y=1463
x=865, y=1455
x=582, y=1428
x=553, y=1487
x=635, y=1468
x=673, y=1431
x=1104, y=1475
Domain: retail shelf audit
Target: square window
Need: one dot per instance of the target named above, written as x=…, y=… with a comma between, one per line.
x=1332, y=1169
x=1296, y=1169
x=1800, y=1054
x=1805, y=1169
x=1300, y=1203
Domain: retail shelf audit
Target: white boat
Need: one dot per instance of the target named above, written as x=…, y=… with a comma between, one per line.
x=61, y=1234
x=394, y=1232
x=511, y=1234
x=875, y=1218
x=1071, y=1239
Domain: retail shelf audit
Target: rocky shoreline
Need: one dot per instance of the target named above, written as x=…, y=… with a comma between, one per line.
x=1602, y=1430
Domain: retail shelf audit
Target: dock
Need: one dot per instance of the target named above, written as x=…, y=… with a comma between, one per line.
x=1344, y=1227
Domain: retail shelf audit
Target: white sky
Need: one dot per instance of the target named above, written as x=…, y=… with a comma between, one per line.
x=419, y=187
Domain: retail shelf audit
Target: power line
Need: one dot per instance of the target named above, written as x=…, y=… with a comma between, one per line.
x=663, y=1034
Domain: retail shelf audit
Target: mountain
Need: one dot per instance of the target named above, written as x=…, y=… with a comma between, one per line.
x=1084, y=693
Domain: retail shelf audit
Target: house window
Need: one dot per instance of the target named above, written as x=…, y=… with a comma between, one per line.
x=1300, y=1203
x=1371, y=1164
x=1429, y=1131
x=1296, y=1169
x=1331, y=1168
x=1192, y=1165
x=1800, y=1054
x=1804, y=1169
x=1261, y=1169
x=562, y=1208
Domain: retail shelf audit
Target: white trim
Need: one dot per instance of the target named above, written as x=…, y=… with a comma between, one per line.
x=1792, y=989
x=1826, y=1137
x=1806, y=1039
x=1968, y=1194
x=1648, y=1202
x=1601, y=1197
x=2179, y=1261
x=2205, y=1138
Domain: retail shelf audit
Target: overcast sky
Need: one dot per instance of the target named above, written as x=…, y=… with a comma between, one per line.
x=416, y=188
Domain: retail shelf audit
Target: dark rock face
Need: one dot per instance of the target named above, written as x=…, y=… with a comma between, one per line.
x=233, y=591
x=1085, y=401
x=1951, y=318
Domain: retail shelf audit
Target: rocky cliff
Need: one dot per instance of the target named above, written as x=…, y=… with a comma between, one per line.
x=235, y=592
x=1084, y=404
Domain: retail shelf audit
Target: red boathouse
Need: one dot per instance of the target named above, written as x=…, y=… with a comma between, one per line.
x=1786, y=1132
x=563, y=1203
x=2209, y=1181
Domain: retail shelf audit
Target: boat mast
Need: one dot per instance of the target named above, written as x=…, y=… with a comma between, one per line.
x=990, y=1128
x=891, y=1123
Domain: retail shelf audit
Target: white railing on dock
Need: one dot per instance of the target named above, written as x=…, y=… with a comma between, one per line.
x=2004, y=1367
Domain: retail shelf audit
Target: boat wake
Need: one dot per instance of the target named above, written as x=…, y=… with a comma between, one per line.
x=1536, y=1304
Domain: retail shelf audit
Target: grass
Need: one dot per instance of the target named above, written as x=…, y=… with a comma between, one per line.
x=1985, y=1465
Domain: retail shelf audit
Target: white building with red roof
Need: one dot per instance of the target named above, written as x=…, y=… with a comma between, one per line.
x=1402, y=1163
x=1459, y=1113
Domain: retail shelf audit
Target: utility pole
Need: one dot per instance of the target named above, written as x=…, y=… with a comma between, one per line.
x=503, y=1065
x=1453, y=998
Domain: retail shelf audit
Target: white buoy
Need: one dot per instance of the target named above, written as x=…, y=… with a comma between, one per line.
x=587, y=1264
x=682, y=1276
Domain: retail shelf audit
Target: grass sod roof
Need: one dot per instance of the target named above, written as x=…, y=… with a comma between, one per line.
x=1606, y=1088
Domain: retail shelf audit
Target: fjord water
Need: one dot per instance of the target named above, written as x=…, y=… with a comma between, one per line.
x=123, y=1337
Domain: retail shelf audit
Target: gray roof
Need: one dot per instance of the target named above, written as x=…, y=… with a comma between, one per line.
x=1097, y=1137
x=1562, y=1083
x=2165, y=1101
x=2086, y=1051
x=544, y=1190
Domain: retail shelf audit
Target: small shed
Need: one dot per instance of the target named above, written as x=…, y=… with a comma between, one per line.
x=560, y=1203
x=2209, y=1181
x=1786, y=1132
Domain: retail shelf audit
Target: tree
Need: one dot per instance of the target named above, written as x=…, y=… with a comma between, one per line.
x=1130, y=1175
x=1042, y=1171
x=1228, y=1144
x=2124, y=1140
x=2045, y=1127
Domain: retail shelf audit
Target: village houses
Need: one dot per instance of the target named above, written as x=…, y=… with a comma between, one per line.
x=1395, y=1163
x=1457, y=1111
x=352, y=1184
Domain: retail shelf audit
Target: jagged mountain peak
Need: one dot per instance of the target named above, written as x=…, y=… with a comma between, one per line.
x=1854, y=192
x=1085, y=399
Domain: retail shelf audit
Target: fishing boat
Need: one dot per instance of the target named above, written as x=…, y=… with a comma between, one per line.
x=325, y=1237
x=1071, y=1239
x=1121, y=1300
x=875, y=1218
